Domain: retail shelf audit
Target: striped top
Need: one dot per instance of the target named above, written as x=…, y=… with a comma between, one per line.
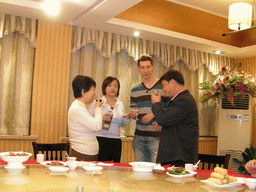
x=141, y=97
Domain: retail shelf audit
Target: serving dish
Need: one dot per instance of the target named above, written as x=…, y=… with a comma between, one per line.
x=15, y=159
x=142, y=166
x=85, y=163
x=58, y=169
x=191, y=173
x=105, y=164
x=239, y=182
x=48, y=163
x=93, y=168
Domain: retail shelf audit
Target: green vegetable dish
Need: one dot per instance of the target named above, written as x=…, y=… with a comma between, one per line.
x=179, y=172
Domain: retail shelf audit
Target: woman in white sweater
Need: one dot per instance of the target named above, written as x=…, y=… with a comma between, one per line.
x=82, y=127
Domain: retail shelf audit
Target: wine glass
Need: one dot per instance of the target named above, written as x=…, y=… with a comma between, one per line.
x=135, y=108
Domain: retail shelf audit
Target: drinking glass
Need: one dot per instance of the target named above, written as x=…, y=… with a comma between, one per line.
x=135, y=107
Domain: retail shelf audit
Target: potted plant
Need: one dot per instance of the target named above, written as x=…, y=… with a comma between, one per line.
x=248, y=154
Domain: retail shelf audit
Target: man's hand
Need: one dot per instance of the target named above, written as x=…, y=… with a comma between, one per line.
x=251, y=167
x=156, y=126
x=155, y=98
x=147, y=118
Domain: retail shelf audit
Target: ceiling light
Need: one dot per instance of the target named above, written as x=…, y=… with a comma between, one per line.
x=218, y=52
x=136, y=33
x=51, y=7
x=240, y=16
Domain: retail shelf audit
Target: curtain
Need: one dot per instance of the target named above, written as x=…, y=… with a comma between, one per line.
x=17, y=48
x=99, y=54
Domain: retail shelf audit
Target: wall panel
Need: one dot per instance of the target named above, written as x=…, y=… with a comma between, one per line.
x=248, y=65
x=51, y=79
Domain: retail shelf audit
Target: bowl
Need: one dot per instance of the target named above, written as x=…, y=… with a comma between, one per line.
x=71, y=158
x=93, y=168
x=58, y=169
x=250, y=182
x=194, y=168
x=15, y=159
x=142, y=166
x=72, y=165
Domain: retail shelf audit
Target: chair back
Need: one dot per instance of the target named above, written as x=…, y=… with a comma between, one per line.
x=52, y=151
x=211, y=161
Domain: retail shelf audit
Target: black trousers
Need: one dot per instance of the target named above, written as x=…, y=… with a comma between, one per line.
x=109, y=149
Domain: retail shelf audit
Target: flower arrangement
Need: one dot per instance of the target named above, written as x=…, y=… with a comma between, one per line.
x=229, y=83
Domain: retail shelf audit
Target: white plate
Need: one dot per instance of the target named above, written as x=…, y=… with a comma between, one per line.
x=46, y=162
x=84, y=163
x=192, y=173
x=58, y=169
x=159, y=168
x=105, y=164
x=93, y=168
x=239, y=182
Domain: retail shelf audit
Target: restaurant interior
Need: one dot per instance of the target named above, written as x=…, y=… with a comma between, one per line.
x=96, y=38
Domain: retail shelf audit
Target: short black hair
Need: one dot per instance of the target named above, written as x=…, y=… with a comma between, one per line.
x=145, y=58
x=175, y=75
x=106, y=82
x=81, y=82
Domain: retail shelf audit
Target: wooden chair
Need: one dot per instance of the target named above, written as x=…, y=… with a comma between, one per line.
x=54, y=149
x=211, y=161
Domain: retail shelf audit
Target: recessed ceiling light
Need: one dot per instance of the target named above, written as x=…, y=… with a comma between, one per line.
x=136, y=33
x=51, y=7
x=218, y=52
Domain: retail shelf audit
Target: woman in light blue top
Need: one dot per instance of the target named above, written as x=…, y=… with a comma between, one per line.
x=110, y=145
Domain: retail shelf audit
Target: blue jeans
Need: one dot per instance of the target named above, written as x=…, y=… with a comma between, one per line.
x=145, y=148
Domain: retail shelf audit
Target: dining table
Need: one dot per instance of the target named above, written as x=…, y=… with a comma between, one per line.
x=118, y=177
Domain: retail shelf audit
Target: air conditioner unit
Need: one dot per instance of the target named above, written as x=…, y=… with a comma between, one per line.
x=233, y=124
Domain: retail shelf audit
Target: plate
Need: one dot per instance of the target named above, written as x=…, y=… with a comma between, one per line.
x=159, y=168
x=105, y=164
x=84, y=163
x=192, y=173
x=239, y=182
x=93, y=168
x=58, y=169
x=46, y=162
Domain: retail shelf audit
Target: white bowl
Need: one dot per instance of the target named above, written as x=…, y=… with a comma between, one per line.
x=71, y=158
x=58, y=169
x=194, y=168
x=15, y=161
x=72, y=165
x=250, y=182
x=142, y=166
x=93, y=168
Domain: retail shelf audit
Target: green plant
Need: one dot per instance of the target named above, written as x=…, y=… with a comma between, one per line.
x=248, y=154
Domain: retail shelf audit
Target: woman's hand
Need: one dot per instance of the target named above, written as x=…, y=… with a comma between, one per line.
x=127, y=116
x=134, y=113
x=106, y=117
x=98, y=102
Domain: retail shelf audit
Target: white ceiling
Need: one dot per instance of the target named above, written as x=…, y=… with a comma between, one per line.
x=99, y=14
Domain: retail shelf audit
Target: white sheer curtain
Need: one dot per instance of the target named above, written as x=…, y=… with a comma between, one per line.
x=17, y=47
x=99, y=54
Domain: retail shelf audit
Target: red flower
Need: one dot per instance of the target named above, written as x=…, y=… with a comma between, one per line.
x=223, y=69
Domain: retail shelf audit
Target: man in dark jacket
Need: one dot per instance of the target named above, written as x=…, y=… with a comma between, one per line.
x=179, y=139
